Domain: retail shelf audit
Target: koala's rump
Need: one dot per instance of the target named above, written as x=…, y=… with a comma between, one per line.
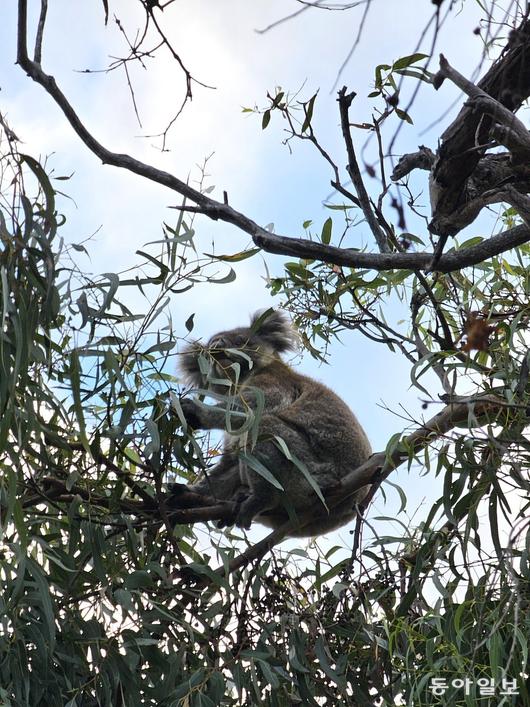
x=325, y=458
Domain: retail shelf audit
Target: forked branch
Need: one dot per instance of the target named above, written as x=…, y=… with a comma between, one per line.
x=272, y=243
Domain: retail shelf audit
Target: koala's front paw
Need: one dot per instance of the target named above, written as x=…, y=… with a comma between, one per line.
x=192, y=412
x=182, y=496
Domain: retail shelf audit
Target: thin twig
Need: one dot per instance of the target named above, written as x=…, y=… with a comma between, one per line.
x=37, y=54
x=360, y=27
x=345, y=101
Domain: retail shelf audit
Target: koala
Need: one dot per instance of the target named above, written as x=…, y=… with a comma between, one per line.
x=300, y=432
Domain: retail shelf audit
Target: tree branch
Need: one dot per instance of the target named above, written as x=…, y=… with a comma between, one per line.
x=37, y=54
x=272, y=243
x=424, y=158
x=304, y=248
x=381, y=465
x=485, y=104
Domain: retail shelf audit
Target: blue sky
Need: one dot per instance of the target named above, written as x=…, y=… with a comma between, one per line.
x=218, y=43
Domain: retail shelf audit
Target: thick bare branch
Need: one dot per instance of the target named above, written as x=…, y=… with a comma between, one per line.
x=304, y=248
x=272, y=243
x=469, y=211
x=508, y=130
x=485, y=104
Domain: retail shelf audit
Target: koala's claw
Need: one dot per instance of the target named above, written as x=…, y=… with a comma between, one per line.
x=243, y=522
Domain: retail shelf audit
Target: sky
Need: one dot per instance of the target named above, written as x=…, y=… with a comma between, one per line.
x=218, y=42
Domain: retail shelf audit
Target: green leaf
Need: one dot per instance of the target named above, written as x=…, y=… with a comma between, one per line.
x=323, y=659
x=408, y=60
x=331, y=573
x=301, y=467
x=403, y=115
x=379, y=77
x=44, y=599
x=114, y=281
x=278, y=98
x=325, y=236
x=269, y=676
x=75, y=378
x=402, y=495
x=470, y=242
x=260, y=469
x=308, y=110
x=154, y=445
x=236, y=257
x=164, y=270
x=340, y=207
x=259, y=321
x=223, y=280
x=45, y=183
x=188, y=686
x=417, y=73
x=189, y=322
x=161, y=347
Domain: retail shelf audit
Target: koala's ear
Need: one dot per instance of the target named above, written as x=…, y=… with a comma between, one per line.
x=189, y=364
x=275, y=329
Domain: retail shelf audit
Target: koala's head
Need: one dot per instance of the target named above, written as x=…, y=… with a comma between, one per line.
x=236, y=353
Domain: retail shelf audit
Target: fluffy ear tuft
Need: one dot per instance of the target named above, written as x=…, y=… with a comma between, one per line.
x=275, y=329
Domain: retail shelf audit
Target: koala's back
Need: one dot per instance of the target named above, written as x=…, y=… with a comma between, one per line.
x=321, y=431
x=319, y=416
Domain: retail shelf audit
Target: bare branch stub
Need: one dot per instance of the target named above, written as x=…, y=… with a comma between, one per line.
x=424, y=158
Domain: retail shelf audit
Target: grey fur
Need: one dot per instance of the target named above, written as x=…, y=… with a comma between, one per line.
x=317, y=427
